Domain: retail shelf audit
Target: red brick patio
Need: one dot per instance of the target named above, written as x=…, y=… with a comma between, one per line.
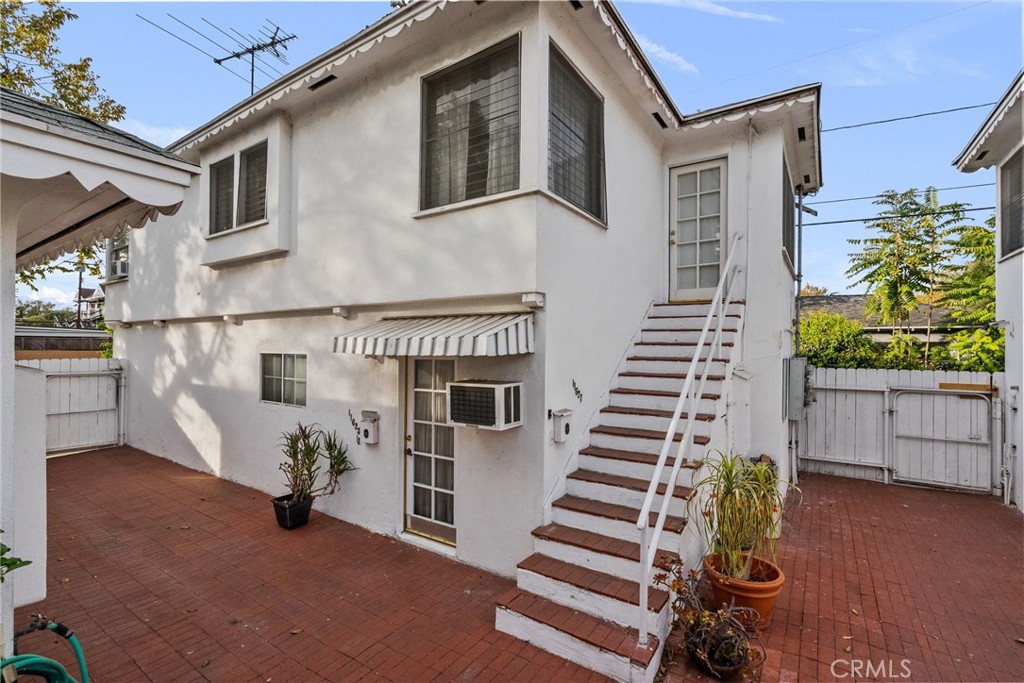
x=172, y=575
x=167, y=574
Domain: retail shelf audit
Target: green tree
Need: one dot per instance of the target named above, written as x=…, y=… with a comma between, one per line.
x=31, y=63
x=978, y=350
x=970, y=289
x=41, y=314
x=831, y=341
x=813, y=290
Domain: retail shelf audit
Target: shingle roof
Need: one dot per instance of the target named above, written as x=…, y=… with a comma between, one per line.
x=49, y=114
x=851, y=307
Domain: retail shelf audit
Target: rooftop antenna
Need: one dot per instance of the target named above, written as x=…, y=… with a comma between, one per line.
x=273, y=41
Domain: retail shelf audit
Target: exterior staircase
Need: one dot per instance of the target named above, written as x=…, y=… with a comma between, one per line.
x=578, y=596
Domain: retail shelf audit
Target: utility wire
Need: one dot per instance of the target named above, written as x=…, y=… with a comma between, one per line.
x=906, y=118
x=876, y=196
x=908, y=215
x=195, y=47
x=840, y=47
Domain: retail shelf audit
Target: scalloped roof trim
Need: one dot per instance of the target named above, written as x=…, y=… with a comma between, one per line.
x=748, y=112
x=1012, y=96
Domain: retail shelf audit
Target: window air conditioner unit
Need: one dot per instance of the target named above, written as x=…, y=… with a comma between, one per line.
x=488, y=404
x=119, y=269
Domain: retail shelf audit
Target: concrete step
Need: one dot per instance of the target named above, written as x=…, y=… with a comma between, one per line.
x=621, y=490
x=658, y=400
x=678, y=350
x=644, y=440
x=652, y=333
x=618, y=521
x=700, y=308
x=592, y=550
x=652, y=419
x=603, y=646
x=605, y=596
x=666, y=381
x=633, y=464
x=690, y=322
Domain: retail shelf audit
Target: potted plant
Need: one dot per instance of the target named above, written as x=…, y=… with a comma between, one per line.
x=308, y=449
x=715, y=639
x=740, y=513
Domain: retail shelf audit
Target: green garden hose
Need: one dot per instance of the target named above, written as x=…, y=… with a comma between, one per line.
x=41, y=667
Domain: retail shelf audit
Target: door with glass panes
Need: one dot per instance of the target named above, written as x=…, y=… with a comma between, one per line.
x=697, y=230
x=430, y=451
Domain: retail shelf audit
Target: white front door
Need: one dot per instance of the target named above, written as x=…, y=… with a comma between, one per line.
x=697, y=230
x=430, y=451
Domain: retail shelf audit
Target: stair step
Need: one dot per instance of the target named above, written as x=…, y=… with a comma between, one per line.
x=669, y=375
x=603, y=635
x=621, y=513
x=681, y=359
x=594, y=581
x=633, y=456
x=652, y=412
x=598, y=543
x=681, y=492
x=646, y=434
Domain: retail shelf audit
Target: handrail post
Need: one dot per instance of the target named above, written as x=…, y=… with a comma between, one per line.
x=644, y=579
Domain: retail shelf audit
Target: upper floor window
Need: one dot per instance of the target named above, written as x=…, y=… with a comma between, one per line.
x=575, y=139
x=1011, y=203
x=788, y=215
x=471, y=128
x=251, y=189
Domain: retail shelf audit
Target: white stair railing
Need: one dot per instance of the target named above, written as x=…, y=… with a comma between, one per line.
x=689, y=395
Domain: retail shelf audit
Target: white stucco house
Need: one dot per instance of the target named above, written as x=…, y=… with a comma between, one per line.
x=65, y=181
x=497, y=193
x=999, y=142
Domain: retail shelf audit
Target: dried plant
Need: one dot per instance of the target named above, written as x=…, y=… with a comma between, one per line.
x=306, y=448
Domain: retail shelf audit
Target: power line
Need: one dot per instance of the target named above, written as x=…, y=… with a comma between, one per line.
x=194, y=47
x=908, y=215
x=840, y=47
x=877, y=196
x=906, y=118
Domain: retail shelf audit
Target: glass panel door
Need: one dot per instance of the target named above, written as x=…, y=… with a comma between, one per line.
x=430, y=451
x=697, y=230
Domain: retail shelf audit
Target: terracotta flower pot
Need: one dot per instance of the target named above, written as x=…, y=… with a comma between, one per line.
x=760, y=595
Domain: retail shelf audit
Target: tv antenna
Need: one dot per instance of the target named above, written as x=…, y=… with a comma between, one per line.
x=274, y=40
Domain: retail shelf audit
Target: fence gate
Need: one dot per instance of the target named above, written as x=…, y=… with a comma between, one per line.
x=943, y=437
x=83, y=402
x=921, y=427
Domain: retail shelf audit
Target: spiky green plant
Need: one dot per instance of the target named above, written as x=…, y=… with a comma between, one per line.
x=306, y=449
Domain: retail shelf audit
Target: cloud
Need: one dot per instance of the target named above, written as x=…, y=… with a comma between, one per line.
x=709, y=7
x=158, y=135
x=50, y=294
x=662, y=53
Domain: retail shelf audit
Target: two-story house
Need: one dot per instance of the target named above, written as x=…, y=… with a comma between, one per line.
x=492, y=191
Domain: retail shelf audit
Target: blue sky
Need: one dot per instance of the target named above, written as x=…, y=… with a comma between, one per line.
x=875, y=60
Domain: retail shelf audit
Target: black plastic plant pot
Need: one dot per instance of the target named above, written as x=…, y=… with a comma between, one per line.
x=291, y=515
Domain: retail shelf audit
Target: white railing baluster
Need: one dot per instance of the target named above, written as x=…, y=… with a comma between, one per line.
x=649, y=538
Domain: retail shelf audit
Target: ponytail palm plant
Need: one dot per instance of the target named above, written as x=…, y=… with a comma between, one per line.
x=739, y=512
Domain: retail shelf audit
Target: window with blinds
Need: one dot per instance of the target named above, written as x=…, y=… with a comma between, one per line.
x=788, y=215
x=222, y=190
x=252, y=184
x=1011, y=204
x=575, y=139
x=471, y=128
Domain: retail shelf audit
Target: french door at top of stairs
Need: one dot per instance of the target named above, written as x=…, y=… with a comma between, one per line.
x=697, y=229
x=430, y=451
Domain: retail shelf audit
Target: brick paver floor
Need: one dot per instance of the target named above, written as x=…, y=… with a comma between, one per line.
x=887, y=575
x=167, y=574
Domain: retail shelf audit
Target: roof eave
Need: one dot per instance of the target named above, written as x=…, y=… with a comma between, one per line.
x=1009, y=99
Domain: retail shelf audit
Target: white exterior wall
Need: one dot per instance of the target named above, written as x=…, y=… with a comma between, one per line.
x=599, y=281
x=26, y=534
x=1010, y=307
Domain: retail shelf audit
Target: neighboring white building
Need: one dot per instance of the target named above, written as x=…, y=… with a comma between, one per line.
x=494, y=191
x=999, y=143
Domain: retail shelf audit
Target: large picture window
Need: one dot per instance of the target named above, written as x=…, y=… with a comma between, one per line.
x=1011, y=204
x=283, y=378
x=575, y=139
x=471, y=128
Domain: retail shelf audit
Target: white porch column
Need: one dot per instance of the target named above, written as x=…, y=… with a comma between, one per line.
x=8, y=255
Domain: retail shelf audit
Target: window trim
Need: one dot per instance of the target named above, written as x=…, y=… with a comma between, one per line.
x=425, y=81
x=602, y=217
x=263, y=376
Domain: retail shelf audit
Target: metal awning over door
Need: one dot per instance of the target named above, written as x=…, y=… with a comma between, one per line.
x=460, y=335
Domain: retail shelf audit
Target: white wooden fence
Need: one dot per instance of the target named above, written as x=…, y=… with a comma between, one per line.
x=923, y=427
x=84, y=402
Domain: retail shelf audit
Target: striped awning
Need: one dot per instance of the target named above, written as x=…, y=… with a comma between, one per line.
x=460, y=335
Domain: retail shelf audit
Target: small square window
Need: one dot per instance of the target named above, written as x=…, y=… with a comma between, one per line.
x=283, y=378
